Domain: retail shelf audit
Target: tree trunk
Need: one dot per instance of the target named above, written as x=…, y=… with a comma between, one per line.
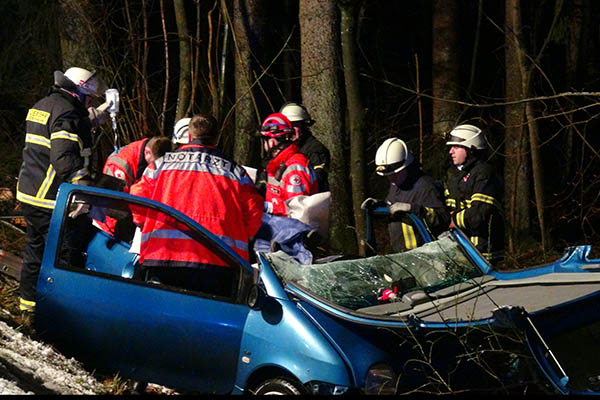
x=355, y=112
x=577, y=20
x=247, y=29
x=445, y=79
x=321, y=95
x=516, y=169
x=77, y=34
x=185, y=60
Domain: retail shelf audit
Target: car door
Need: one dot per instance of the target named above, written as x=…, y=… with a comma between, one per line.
x=95, y=307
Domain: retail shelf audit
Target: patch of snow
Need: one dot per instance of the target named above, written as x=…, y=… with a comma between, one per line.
x=26, y=364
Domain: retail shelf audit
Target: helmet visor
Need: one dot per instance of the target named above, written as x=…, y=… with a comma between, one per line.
x=390, y=168
x=452, y=140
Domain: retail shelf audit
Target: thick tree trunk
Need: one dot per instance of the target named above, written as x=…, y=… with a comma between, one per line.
x=185, y=60
x=247, y=30
x=321, y=94
x=78, y=38
x=445, y=79
x=575, y=47
x=355, y=112
x=516, y=168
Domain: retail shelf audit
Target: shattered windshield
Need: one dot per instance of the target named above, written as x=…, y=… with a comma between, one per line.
x=357, y=283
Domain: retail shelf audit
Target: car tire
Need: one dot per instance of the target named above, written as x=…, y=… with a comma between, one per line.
x=279, y=386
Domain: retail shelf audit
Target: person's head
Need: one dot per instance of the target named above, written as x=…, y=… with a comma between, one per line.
x=465, y=141
x=276, y=133
x=84, y=84
x=298, y=115
x=204, y=128
x=181, y=131
x=156, y=148
x=392, y=159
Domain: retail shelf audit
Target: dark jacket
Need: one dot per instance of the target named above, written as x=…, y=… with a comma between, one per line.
x=474, y=195
x=57, y=148
x=426, y=198
x=319, y=157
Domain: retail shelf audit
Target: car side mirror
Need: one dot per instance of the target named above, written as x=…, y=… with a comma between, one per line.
x=256, y=297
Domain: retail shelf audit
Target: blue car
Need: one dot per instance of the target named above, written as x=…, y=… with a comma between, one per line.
x=437, y=318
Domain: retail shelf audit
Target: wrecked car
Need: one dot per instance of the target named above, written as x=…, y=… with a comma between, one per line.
x=437, y=318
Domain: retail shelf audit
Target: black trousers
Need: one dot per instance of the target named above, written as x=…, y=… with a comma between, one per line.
x=38, y=221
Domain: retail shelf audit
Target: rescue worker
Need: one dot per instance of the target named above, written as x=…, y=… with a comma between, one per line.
x=125, y=167
x=309, y=145
x=130, y=161
x=289, y=172
x=203, y=183
x=57, y=148
x=474, y=193
x=410, y=191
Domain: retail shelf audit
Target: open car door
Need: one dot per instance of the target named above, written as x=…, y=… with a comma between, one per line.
x=95, y=301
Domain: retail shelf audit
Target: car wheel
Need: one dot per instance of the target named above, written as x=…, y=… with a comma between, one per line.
x=279, y=386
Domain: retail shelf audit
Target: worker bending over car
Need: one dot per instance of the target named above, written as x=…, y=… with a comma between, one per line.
x=410, y=190
x=200, y=181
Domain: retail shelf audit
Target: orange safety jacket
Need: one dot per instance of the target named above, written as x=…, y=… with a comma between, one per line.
x=128, y=163
x=213, y=190
x=289, y=174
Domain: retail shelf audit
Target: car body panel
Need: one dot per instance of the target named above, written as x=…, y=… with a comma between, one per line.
x=107, y=316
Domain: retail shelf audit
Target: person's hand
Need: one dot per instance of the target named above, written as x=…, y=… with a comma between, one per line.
x=368, y=203
x=99, y=115
x=399, y=207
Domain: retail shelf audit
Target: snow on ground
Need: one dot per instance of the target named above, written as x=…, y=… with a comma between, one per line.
x=31, y=367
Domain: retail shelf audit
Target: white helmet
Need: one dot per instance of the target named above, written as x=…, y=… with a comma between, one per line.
x=180, y=131
x=88, y=83
x=392, y=156
x=296, y=113
x=468, y=136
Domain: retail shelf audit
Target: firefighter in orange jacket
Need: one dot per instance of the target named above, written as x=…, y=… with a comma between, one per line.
x=289, y=172
x=203, y=183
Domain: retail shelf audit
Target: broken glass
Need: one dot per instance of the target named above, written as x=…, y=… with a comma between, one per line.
x=358, y=283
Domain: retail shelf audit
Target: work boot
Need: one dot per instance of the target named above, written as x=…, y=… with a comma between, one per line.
x=28, y=322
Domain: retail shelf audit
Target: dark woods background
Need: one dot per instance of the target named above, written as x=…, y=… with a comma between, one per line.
x=526, y=71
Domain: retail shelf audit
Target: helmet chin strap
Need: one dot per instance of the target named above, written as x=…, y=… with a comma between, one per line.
x=280, y=146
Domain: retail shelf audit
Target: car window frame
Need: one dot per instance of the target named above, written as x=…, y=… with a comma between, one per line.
x=243, y=271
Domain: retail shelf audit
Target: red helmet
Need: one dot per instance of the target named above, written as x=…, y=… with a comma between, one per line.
x=276, y=126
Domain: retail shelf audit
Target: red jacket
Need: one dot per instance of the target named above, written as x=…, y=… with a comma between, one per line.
x=204, y=184
x=288, y=175
x=128, y=164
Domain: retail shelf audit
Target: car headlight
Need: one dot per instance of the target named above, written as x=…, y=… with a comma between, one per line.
x=317, y=387
x=380, y=379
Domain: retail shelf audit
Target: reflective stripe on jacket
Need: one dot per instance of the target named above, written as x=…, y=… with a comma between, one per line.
x=57, y=148
x=204, y=184
x=288, y=175
x=426, y=199
x=128, y=163
x=474, y=194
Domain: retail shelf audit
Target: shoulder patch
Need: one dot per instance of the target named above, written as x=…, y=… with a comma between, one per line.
x=295, y=180
x=38, y=116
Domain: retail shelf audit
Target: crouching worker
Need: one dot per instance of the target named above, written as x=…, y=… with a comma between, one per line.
x=200, y=181
x=410, y=191
x=289, y=174
x=122, y=169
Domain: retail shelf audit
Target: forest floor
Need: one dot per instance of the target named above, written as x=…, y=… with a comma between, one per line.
x=30, y=366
